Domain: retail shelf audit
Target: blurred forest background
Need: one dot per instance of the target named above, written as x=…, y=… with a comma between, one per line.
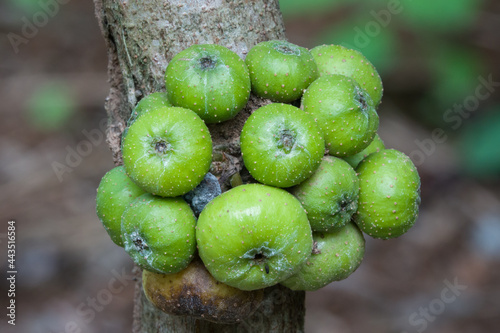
x=440, y=63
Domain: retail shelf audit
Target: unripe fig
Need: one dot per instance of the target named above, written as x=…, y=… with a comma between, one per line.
x=330, y=195
x=335, y=256
x=376, y=146
x=336, y=59
x=114, y=194
x=281, y=145
x=253, y=236
x=389, y=194
x=159, y=233
x=148, y=103
x=167, y=151
x=209, y=79
x=280, y=70
x=344, y=112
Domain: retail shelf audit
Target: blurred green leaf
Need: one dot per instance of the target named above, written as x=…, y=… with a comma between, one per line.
x=301, y=7
x=50, y=107
x=455, y=73
x=478, y=145
x=431, y=112
x=440, y=15
x=27, y=6
x=456, y=70
x=364, y=34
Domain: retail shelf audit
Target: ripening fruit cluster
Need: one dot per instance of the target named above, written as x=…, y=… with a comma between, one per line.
x=321, y=174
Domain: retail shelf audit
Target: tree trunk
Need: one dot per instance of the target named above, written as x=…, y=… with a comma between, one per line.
x=141, y=37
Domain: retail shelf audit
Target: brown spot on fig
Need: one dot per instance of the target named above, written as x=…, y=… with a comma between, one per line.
x=315, y=249
x=194, y=292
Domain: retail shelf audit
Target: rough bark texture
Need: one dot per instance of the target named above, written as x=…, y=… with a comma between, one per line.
x=281, y=311
x=141, y=37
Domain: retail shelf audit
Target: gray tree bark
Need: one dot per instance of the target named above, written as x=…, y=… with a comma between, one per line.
x=142, y=36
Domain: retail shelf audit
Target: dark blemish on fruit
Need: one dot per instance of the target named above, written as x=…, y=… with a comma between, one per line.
x=362, y=101
x=201, y=195
x=139, y=243
x=315, y=249
x=267, y=268
x=286, y=140
x=284, y=49
x=207, y=63
x=161, y=146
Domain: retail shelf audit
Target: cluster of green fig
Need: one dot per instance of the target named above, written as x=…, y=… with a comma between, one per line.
x=320, y=173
